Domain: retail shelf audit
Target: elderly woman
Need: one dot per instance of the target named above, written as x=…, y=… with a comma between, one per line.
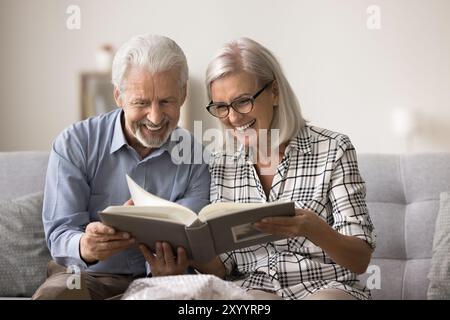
x=331, y=238
x=278, y=157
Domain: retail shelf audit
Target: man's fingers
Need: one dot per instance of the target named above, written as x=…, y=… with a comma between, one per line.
x=113, y=245
x=99, y=228
x=105, y=238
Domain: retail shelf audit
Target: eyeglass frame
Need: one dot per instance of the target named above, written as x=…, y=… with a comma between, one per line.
x=230, y=105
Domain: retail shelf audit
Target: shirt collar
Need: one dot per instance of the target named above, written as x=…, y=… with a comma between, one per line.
x=118, y=139
x=301, y=142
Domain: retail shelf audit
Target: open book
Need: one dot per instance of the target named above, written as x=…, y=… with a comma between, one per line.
x=218, y=228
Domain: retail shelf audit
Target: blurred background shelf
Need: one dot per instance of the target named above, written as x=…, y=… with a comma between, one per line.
x=96, y=92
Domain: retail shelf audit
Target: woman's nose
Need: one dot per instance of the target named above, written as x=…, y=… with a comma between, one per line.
x=234, y=116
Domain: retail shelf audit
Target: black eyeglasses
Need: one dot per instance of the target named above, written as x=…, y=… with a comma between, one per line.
x=241, y=105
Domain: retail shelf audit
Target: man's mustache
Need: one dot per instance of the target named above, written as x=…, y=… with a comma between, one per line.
x=152, y=125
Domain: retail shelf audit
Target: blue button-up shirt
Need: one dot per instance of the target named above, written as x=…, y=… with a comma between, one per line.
x=86, y=173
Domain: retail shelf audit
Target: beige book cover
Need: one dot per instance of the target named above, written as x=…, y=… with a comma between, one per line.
x=218, y=228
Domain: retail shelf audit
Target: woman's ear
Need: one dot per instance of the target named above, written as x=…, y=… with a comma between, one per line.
x=118, y=97
x=275, y=92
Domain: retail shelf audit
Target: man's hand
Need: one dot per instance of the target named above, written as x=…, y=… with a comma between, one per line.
x=99, y=242
x=164, y=263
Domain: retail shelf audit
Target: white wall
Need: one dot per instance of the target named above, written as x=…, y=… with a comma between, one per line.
x=348, y=78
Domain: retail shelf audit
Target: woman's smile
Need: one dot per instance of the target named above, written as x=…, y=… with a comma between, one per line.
x=245, y=126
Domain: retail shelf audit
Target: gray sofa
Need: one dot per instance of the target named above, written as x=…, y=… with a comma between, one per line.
x=403, y=200
x=402, y=195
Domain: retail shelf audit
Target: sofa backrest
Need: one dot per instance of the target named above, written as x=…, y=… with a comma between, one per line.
x=403, y=200
x=22, y=173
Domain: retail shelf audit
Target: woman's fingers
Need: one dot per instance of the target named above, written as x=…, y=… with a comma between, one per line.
x=286, y=221
x=288, y=231
x=165, y=262
x=169, y=258
x=300, y=212
x=283, y=221
x=159, y=252
x=148, y=255
x=182, y=260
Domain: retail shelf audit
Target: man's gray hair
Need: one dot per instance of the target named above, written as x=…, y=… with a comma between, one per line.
x=247, y=55
x=154, y=52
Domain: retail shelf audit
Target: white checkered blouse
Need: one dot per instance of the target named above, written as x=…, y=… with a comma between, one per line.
x=319, y=172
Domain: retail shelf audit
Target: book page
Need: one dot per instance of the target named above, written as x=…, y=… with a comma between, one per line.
x=142, y=197
x=219, y=209
x=153, y=213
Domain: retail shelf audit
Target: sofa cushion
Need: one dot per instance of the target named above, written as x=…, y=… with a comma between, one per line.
x=439, y=274
x=22, y=173
x=403, y=201
x=391, y=216
x=23, y=253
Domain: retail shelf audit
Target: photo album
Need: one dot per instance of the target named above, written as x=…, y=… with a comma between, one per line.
x=218, y=227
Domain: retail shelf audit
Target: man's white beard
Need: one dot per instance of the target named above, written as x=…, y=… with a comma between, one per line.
x=152, y=141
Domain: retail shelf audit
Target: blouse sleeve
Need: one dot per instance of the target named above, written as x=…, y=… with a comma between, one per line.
x=347, y=193
x=229, y=263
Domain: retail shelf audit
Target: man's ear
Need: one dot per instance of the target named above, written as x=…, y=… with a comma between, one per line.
x=183, y=94
x=275, y=92
x=117, y=97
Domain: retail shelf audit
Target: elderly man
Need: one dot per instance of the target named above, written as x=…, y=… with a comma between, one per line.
x=88, y=166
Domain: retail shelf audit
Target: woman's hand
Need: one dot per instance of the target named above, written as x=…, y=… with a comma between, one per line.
x=215, y=267
x=299, y=225
x=348, y=251
x=164, y=262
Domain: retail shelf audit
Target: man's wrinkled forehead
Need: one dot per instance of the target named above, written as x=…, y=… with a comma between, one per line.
x=136, y=74
x=141, y=83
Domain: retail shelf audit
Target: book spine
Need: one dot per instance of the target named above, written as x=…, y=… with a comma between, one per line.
x=201, y=242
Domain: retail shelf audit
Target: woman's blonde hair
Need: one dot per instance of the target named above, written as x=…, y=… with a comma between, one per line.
x=247, y=55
